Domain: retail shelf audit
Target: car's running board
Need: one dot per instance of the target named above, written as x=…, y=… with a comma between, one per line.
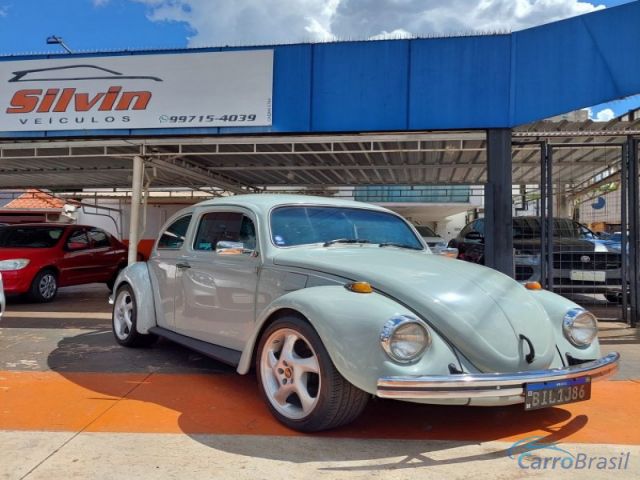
x=222, y=354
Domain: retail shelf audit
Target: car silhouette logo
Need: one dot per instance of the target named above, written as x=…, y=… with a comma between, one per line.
x=585, y=259
x=70, y=72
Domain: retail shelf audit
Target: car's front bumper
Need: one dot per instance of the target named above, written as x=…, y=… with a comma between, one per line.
x=485, y=385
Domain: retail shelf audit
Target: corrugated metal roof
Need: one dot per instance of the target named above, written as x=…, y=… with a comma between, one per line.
x=252, y=163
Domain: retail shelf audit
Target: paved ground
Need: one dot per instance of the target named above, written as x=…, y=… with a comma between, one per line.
x=73, y=404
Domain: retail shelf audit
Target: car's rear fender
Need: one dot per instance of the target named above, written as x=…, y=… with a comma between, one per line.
x=138, y=278
x=349, y=325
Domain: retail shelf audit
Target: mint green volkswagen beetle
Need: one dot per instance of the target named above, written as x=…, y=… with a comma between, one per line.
x=335, y=301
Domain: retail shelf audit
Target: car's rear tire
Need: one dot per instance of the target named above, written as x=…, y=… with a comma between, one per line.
x=299, y=382
x=44, y=286
x=124, y=319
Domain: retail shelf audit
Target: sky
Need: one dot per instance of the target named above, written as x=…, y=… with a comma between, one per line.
x=88, y=25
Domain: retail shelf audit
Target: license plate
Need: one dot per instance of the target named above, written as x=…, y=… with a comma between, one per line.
x=548, y=394
x=588, y=276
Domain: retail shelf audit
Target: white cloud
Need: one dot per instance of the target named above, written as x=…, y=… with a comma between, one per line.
x=241, y=22
x=100, y=3
x=603, y=115
x=4, y=11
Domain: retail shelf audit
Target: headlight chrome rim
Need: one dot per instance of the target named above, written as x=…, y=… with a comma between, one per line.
x=569, y=327
x=391, y=327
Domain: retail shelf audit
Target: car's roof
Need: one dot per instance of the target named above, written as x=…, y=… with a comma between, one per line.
x=266, y=201
x=46, y=224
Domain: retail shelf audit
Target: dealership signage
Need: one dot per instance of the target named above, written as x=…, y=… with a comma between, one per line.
x=219, y=89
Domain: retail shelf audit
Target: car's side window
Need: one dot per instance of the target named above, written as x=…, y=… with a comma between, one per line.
x=78, y=240
x=174, y=235
x=479, y=226
x=225, y=227
x=99, y=238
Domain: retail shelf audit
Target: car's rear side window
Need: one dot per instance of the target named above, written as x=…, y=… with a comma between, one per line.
x=174, y=235
x=99, y=238
x=30, y=237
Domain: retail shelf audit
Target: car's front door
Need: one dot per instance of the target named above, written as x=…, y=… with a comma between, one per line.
x=163, y=264
x=216, y=283
x=76, y=262
x=104, y=257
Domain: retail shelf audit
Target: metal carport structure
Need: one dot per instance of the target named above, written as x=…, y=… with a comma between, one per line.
x=399, y=112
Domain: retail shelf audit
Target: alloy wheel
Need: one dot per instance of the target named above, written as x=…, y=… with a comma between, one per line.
x=290, y=373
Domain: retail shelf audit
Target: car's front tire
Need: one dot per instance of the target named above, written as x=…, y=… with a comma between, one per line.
x=299, y=382
x=44, y=286
x=123, y=320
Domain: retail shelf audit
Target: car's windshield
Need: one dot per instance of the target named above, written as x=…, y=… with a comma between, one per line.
x=29, y=237
x=426, y=231
x=301, y=225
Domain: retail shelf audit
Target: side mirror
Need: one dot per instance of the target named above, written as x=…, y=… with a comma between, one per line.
x=474, y=237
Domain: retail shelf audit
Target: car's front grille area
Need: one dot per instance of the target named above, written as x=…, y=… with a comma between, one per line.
x=587, y=261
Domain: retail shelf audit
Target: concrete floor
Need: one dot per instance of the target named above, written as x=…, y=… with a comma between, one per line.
x=73, y=404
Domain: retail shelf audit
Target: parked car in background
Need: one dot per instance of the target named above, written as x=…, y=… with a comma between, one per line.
x=334, y=301
x=581, y=264
x=37, y=259
x=430, y=237
x=436, y=243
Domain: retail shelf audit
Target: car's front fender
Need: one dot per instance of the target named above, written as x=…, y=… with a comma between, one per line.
x=137, y=276
x=349, y=325
x=556, y=307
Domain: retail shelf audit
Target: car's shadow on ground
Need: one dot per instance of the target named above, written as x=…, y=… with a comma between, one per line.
x=219, y=408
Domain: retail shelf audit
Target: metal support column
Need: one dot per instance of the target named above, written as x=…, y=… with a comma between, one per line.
x=633, y=212
x=549, y=218
x=624, y=228
x=136, y=199
x=543, y=214
x=499, y=202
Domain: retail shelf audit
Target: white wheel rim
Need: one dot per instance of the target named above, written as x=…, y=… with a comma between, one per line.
x=123, y=315
x=47, y=286
x=290, y=373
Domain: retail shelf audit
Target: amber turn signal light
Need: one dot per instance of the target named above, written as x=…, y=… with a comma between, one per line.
x=359, y=287
x=533, y=286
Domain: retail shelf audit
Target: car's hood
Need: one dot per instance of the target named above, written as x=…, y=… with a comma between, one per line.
x=29, y=253
x=478, y=310
x=560, y=245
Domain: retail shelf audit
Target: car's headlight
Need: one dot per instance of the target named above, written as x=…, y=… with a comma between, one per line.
x=580, y=327
x=404, y=338
x=14, y=264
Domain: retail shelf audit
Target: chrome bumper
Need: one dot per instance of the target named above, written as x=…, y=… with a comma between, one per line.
x=478, y=385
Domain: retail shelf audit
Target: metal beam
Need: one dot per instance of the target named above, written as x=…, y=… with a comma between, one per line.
x=197, y=173
x=499, y=202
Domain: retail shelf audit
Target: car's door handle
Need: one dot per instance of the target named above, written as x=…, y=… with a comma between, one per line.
x=183, y=265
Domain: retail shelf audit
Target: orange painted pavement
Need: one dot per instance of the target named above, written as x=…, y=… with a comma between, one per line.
x=230, y=404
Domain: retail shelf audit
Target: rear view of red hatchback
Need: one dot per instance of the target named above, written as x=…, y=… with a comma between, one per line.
x=37, y=259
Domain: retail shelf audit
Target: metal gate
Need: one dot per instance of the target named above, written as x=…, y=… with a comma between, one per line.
x=594, y=263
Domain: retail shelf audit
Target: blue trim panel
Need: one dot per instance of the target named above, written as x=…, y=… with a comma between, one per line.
x=474, y=82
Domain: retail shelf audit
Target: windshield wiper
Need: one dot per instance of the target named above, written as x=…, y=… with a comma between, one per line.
x=399, y=245
x=345, y=240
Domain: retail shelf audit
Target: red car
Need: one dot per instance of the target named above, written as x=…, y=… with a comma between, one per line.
x=36, y=259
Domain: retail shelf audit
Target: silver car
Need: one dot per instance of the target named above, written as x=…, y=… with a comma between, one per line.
x=334, y=301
